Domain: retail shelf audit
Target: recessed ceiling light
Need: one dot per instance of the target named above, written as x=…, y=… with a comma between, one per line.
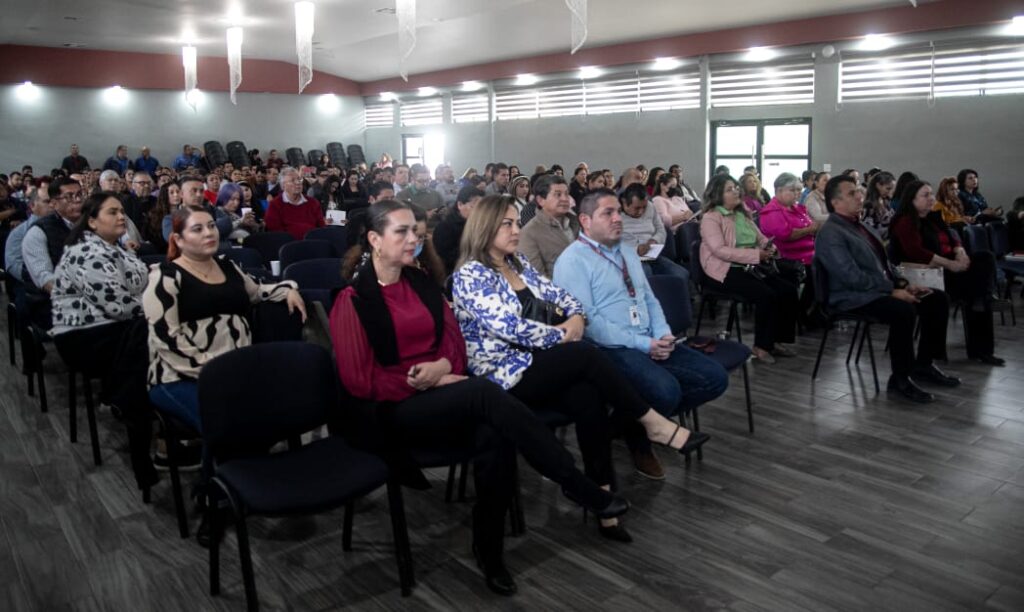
x=115, y=95
x=388, y=96
x=472, y=86
x=328, y=103
x=875, y=42
x=666, y=63
x=759, y=54
x=590, y=72
x=1016, y=26
x=27, y=92
x=426, y=91
x=526, y=79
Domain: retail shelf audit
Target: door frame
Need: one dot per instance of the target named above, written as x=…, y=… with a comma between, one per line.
x=760, y=123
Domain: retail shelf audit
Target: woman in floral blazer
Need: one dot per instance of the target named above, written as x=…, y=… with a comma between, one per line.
x=545, y=366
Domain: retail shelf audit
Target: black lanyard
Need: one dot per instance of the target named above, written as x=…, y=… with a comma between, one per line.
x=625, y=272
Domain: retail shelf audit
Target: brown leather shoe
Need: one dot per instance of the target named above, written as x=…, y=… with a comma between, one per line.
x=647, y=465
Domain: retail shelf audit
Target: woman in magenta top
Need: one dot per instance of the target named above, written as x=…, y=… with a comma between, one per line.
x=401, y=355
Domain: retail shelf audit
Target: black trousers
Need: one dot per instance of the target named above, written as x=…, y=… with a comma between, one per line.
x=117, y=354
x=973, y=287
x=901, y=317
x=775, y=304
x=578, y=380
x=479, y=414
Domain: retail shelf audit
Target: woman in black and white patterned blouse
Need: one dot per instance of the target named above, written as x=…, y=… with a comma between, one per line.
x=98, y=326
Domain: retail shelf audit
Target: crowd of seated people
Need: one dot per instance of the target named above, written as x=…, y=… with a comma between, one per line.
x=472, y=307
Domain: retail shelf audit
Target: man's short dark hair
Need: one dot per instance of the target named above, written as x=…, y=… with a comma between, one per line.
x=57, y=183
x=377, y=188
x=498, y=167
x=467, y=193
x=589, y=203
x=190, y=178
x=635, y=190
x=541, y=186
x=673, y=167
x=832, y=188
x=397, y=166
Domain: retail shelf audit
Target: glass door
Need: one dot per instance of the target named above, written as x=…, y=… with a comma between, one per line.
x=772, y=146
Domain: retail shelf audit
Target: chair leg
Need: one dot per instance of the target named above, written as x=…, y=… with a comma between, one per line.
x=41, y=380
x=860, y=349
x=695, y=413
x=90, y=411
x=245, y=557
x=72, y=405
x=463, y=479
x=171, y=440
x=346, y=529
x=449, y=488
x=400, y=533
x=734, y=316
x=746, y=390
x=821, y=349
x=516, y=516
x=700, y=316
x=871, y=353
x=853, y=341
x=213, y=520
x=12, y=327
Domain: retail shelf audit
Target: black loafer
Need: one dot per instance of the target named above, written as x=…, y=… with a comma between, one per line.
x=933, y=374
x=613, y=509
x=616, y=533
x=906, y=387
x=496, y=576
x=991, y=360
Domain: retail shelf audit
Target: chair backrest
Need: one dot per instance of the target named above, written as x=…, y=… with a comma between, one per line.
x=301, y=250
x=355, y=154
x=336, y=151
x=322, y=273
x=672, y=293
x=820, y=276
x=268, y=244
x=242, y=417
x=294, y=157
x=271, y=322
x=337, y=236
x=153, y=259
x=977, y=239
x=214, y=152
x=245, y=257
x=314, y=156
x=696, y=270
x=237, y=153
x=999, y=238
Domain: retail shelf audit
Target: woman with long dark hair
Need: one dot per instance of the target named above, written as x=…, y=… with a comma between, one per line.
x=975, y=204
x=167, y=202
x=905, y=179
x=878, y=211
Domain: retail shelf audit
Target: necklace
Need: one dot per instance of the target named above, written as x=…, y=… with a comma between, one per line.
x=206, y=275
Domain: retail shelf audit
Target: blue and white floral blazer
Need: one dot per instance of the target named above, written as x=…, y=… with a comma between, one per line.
x=489, y=313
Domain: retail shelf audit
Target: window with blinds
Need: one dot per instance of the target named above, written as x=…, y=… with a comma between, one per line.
x=669, y=92
x=763, y=85
x=425, y=112
x=934, y=73
x=468, y=109
x=380, y=115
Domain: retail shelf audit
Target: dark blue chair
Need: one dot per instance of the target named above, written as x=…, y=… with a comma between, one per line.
x=337, y=236
x=268, y=244
x=321, y=273
x=241, y=421
x=672, y=292
x=154, y=258
x=245, y=257
x=999, y=239
x=708, y=294
x=301, y=250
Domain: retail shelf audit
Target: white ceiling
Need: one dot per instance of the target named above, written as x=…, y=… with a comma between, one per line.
x=356, y=42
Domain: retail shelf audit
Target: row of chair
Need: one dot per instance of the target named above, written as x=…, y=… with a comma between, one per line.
x=237, y=153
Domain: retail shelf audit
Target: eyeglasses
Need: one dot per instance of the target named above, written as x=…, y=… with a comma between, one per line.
x=75, y=196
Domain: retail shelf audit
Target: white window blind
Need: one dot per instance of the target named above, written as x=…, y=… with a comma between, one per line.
x=962, y=71
x=763, y=85
x=659, y=93
x=618, y=96
x=467, y=109
x=425, y=112
x=380, y=115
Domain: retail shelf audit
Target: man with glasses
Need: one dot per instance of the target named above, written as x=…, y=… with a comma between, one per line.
x=140, y=199
x=291, y=211
x=44, y=245
x=420, y=193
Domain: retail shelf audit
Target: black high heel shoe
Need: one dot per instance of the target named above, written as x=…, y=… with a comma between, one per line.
x=496, y=575
x=613, y=509
x=616, y=533
x=695, y=441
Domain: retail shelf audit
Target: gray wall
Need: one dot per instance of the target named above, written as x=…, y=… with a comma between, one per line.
x=984, y=133
x=40, y=132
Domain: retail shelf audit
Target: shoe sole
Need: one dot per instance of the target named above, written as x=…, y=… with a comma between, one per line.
x=648, y=476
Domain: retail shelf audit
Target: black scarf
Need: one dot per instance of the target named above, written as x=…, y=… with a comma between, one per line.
x=376, y=318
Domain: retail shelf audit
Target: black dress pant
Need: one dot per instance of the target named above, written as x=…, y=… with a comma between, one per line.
x=901, y=317
x=775, y=304
x=973, y=287
x=118, y=354
x=477, y=413
x=578, y=380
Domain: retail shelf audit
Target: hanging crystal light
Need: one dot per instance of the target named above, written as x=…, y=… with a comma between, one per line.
x=578, y=8
x=304, y=41
x=188, y=60
x=406, y=11
x=234, y=36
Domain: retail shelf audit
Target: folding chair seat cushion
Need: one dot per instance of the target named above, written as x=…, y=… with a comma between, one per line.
x=728, y=353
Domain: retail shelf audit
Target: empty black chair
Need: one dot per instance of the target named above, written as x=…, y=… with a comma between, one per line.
x=671, y=292
x=355, y=155
x=336, y=151
x=215, y=153
x=268, y=244
x=337, y=236
x=324, y=273
x=314, y=156
x=238, y=155
x=301, y=250
x=294, y=157
x=241, y=421
x=245, y=257
x=271, y=322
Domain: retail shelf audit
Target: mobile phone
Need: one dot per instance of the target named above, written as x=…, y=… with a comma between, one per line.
x=681, y=339
x=924, y=293
x=413, y=371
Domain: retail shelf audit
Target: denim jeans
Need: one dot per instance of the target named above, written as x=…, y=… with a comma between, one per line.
x=664, y=265
x=676, y=385
x=180, y=400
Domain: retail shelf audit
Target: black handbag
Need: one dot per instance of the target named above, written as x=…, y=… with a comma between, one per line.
x=762, y=270
x=792, y=269
x=542, y=311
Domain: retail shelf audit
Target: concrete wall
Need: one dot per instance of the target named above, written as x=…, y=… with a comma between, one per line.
x=39, y=132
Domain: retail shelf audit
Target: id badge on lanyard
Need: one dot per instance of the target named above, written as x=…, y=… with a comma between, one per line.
x=634, y=315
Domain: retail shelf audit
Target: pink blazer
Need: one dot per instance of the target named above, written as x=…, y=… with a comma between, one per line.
x=718, y=245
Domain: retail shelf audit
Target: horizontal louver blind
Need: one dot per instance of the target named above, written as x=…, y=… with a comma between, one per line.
x=426, y=112
x=380, y=115
x=763, y=85
x=972, y=71
x=670, y=92
x=619, y=96
x=467, y=109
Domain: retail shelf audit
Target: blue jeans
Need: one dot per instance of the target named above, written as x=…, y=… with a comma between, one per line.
x=178, y=399
x=676, y=385
x=664, y=265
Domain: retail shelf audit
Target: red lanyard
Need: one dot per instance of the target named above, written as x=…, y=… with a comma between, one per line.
x=625, y=272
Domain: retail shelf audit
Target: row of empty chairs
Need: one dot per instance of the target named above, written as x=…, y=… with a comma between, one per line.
x=237, y=153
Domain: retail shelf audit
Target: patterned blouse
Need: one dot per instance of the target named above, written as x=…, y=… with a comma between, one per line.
x=96, y=283
x=498, y=338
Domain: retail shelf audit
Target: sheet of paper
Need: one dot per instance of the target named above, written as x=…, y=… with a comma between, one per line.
x=337, y=217
x=653, y=253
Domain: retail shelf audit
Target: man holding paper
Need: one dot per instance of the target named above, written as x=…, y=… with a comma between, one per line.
x=643, y=229
x=861, y=279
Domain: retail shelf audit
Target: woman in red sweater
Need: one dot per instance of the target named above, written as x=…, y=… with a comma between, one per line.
x=918, y=235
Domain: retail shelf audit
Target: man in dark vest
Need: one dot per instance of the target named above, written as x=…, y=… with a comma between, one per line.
x=44, y=244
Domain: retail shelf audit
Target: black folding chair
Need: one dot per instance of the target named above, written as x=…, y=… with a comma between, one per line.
x=337, y=236
x=268, y=244
x=302, y=250
x=709, y=293
x=241, y=421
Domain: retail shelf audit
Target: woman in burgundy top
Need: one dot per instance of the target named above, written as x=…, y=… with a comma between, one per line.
x=918, y=235
x=400, y=350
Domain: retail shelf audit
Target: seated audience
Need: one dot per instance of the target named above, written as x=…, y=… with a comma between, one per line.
x=975, y=204
x=578, y=185
x=353, y=193
x=919, y=237
x=878, y=211
x=401, y=354
x=192, y=195
x=669, y=203
x=444, y=183
x=595, y=181
x=752, y=194
x=448, y=233
x=554, y=226
x=420, y=193
x=140, y=200
x=949, y=206
x=815, y=200
x=901, y=183
x=690, y=196
x=229, y=200
x=793, y=230
x=399, y=177
x=807, y=178
x=14, y=262
x=291, y=211
x=97, y=318
x=498, y=298
x=642, y=229
x=501, y=178
x=652, y=181
x=862, y=280
x=187, y=159
x=519, y=189
x=731, y=249
x=167, y=202
x=43, y=246
x=213, y=181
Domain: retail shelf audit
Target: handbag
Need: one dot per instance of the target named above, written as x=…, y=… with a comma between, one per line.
x=762, y=270
x=542, y=311
x=792, y=269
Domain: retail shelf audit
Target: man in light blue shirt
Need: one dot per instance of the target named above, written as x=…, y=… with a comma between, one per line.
x=40, y=207
x=625, y=318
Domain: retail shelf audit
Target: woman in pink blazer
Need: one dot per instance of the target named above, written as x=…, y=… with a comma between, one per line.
x=730, y=244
